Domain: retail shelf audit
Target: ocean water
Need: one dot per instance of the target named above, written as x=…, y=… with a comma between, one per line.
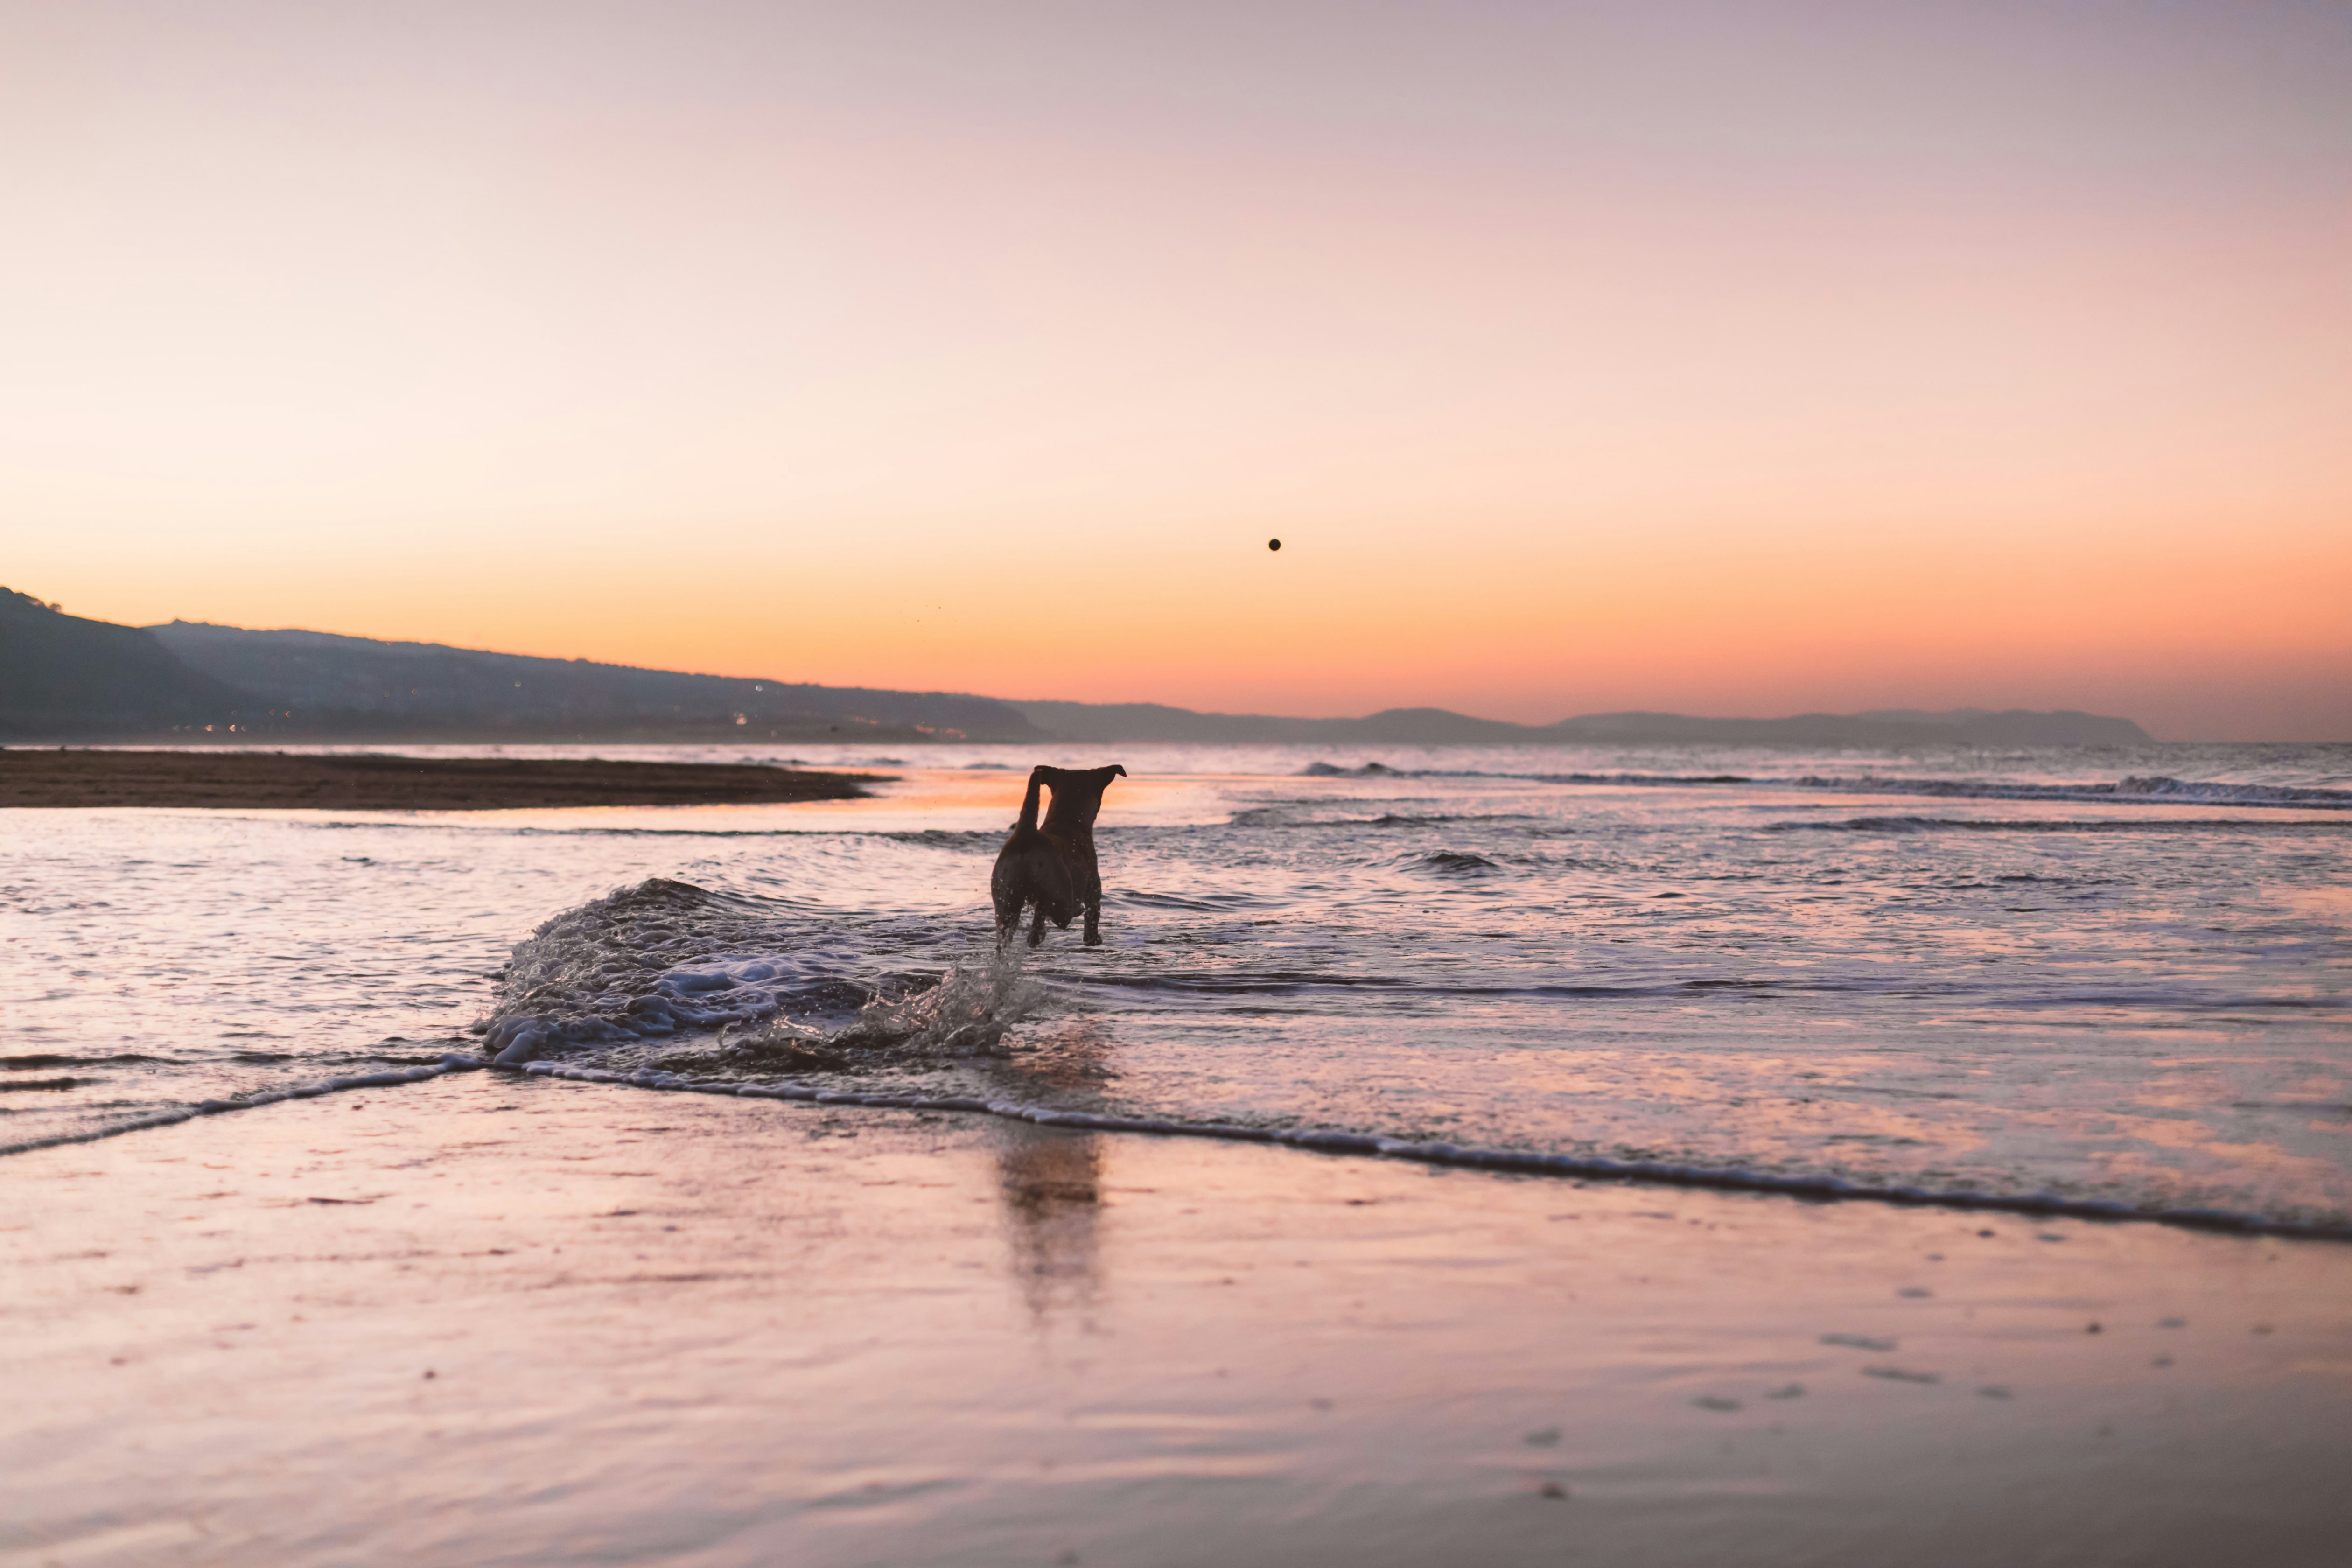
x=2108, y=977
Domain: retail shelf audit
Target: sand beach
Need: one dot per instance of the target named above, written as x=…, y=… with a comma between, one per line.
x=218, y=779
x=496, y=1318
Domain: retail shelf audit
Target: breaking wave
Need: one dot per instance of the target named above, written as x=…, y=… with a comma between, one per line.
x=738, y=982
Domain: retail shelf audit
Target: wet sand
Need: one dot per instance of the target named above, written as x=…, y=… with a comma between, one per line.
x=266, y=781
x=523, y=1321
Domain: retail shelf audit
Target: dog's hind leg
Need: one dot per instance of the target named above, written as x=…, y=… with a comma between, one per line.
x=1025, y=857
x=1089, y=878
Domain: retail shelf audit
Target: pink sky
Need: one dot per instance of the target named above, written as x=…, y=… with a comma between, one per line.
x=1721, y=359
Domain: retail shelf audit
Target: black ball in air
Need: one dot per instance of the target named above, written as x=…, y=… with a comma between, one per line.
x=1274, y=544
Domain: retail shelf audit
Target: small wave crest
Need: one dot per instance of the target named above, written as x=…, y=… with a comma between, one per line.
x=1382, y=770
x=2031, y=825
x=2161, y=789
x=2138, y=790
x=1454, y=863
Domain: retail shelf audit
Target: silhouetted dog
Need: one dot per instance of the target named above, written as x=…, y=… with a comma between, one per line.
x=1029, y=869
x=1070, y=825
x=1053, y=867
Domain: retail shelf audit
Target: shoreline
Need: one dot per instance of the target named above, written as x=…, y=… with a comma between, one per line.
x=515, y=1317
x=1475, y=1157
x=1570, y=1169
x=275, y=781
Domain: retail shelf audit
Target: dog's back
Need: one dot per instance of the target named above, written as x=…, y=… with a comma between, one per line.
x=1077, y=800
x=1070, y=825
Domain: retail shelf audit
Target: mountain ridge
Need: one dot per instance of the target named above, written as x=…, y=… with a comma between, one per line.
x=68, y=678
x=367, y=685
x=1152, y=722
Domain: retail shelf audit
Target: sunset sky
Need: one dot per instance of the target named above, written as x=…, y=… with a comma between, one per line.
x=1728, y=359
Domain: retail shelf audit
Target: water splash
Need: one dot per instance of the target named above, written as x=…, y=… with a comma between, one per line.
x=966, y=1014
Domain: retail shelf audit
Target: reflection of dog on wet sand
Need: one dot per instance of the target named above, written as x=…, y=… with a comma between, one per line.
x=1052, y=866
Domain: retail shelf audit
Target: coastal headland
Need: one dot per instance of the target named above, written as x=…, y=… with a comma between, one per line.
x=274, y=781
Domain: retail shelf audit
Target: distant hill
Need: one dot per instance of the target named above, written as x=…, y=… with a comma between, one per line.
x=330, y=684
x=1148, y=721
x=65, y=678
x=1961, y=726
